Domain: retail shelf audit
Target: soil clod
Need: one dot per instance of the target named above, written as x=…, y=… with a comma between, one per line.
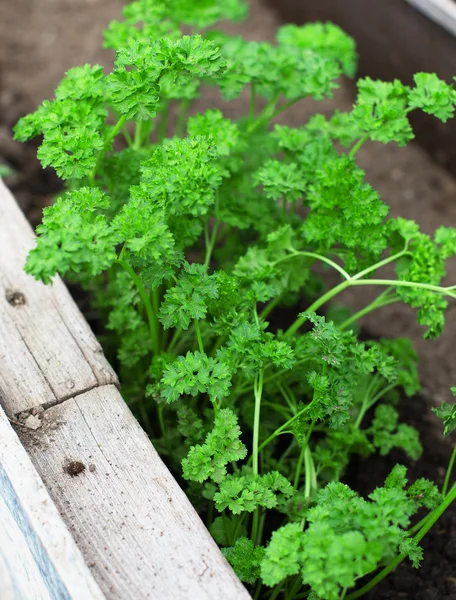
x=73, y=467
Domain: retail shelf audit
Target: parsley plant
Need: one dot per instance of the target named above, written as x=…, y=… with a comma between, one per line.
x=199, y=246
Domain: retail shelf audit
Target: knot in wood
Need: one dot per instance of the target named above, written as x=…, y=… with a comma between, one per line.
x=15, y=298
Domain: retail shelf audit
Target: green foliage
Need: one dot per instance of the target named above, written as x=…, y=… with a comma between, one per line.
x=245, y=558
x=447, y=413
x=222, y=446
x=205, y=243
x=74, y=237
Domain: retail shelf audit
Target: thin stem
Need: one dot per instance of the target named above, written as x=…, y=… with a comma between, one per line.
x=299, y=468
x=198, y=337
x=182, y=117
x=252, y=102
x=380, y=301
x=138, y=135
x=210, y=242
x=379, y=265
x=358, y=145
x=319, y=257
x=127, y=136
x=410, y=284
x=279, y=430
x=267, y=310
x=151, y=316
x=265, y=115
x=315, y=306
x=163, y=121
x=302, y=456
x=433, y=518
x=277, y=375
x=112, y=134
x=365, y=404
x=449, y=471
x=258, y=391
x=356, y=281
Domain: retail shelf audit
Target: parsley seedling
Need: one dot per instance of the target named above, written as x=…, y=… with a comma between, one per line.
x=196, y=246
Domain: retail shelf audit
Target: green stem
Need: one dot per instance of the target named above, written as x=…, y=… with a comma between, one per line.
x=295, y=588
x=210, y=242
x=267, y=310
x=198, y=337
x=358, y=145
x=182, y=117
x=258, y=391
x=354, y=281
x=163, y=121
x=265, y=115
x=410, y=284
x=299, y=468
x=433, y=518
x=311, y=479
x=319, y=257
x=277, y=375
x=127, y=136
x=315, y=306
x=138, y=135
x=449, y=471
x=382, y=300
x=365, y=404
x=151, y=316
x=112, y=134
x=252, y=102
x=279, y=430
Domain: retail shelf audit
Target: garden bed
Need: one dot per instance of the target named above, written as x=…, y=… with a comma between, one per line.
x=419, y=189
x=134, y=526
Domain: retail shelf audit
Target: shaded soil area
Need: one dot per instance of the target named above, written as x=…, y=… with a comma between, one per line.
x=41, y=39
x=435, y=579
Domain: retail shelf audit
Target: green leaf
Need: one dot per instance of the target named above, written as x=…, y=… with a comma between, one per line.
x=245, y=493
x=222, y=446
x=447, y=413
x=188, y=299
x=388, y=434
x=381, y=111
x=74, y=237
x=433, y=95
x=193, y=374
x=245, y=558
x=182, y=176
x=326, y=39
x=282, y=556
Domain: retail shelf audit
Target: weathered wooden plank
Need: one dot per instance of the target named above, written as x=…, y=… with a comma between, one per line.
x=442, y=12
x=39, y=559
x=134, y=525
x=55, y=337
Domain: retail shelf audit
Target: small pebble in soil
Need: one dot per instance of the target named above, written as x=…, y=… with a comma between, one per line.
x=32, y=422
x=15, y=298
x=73, y=467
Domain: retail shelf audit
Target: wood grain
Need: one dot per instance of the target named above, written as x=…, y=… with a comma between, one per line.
x=53, y=344
x=38, y=557
x=132, y=522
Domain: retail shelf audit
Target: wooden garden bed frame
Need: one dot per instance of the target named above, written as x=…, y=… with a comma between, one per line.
x=136, y=530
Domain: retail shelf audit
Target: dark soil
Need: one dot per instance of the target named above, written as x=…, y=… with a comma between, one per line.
x=435, y=579
x=41, y=39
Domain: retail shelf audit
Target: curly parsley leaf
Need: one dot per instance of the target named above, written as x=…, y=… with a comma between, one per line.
x=245, y=558
x=222, y=446
x=73, y=237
